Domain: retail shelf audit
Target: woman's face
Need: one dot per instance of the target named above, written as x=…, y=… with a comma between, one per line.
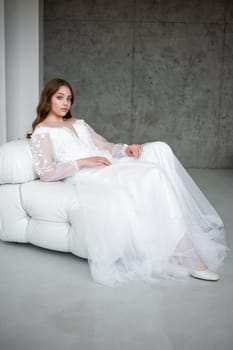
x=61, y=102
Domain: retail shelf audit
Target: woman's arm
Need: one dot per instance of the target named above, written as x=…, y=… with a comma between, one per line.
x=45, y=166
x=48, y=169
x=117, y=150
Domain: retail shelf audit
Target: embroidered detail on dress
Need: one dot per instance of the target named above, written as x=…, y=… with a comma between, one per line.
x=41, y=163
x=45, y=165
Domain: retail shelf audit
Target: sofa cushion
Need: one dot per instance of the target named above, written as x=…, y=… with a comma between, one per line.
x=46, y=214
x=16, y=162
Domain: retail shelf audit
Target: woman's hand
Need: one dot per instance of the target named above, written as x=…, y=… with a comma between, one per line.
x=92, y=161
x=134, y=151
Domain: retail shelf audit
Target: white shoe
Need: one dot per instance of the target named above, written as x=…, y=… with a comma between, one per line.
x=206, y=275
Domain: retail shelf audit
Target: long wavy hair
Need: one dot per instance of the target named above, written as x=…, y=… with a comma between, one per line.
x=44, y=104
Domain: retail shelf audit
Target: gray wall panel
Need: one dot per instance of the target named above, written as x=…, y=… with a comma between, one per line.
x=229, y=11
x=96, y=59
x=90, y=9
x=194, y=11
x=146, y=70
x=226, y=122
x=177, y=88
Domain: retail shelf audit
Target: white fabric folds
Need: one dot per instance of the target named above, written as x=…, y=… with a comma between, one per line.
x=141, y=219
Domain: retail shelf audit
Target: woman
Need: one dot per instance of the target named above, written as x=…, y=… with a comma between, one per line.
x=141, y=214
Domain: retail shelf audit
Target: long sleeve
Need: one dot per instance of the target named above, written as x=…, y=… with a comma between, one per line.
x=116, y=150
x=45, y=166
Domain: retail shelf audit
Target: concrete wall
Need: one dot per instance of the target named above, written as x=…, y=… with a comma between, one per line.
x=146, y=70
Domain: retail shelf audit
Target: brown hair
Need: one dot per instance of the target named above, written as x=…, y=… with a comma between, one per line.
x=44, y=105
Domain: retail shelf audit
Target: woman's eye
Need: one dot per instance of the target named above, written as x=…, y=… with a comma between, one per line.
x=59, y=97
x=69, y=99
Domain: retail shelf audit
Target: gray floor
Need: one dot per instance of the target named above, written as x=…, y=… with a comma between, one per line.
x=49, y=301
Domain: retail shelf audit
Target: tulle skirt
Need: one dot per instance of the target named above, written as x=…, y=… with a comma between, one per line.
x=146, y=219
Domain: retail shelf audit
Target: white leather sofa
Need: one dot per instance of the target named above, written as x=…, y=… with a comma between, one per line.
x=45, y=214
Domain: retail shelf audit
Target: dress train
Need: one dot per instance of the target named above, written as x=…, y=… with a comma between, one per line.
x=146, y=218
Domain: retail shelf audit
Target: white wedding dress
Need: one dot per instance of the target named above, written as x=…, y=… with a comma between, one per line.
x=141, y=219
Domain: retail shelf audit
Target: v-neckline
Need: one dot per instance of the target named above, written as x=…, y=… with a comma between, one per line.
x=71, y=129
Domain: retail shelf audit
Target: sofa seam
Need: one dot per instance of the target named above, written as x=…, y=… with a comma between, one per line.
x=20, y=197
x=25, y=211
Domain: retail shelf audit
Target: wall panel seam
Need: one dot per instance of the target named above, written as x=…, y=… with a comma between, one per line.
x=132, y=79
x=221, y=89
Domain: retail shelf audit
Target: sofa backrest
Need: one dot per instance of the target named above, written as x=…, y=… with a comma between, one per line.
x=16, y=162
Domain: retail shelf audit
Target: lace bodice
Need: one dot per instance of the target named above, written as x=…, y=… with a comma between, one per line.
x=56, y=149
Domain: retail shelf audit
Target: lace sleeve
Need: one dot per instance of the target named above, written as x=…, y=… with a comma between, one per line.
x=116, y=149
x=45, y=166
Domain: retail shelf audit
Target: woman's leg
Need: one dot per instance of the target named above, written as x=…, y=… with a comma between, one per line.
x=188, y=256
x=193, y=204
